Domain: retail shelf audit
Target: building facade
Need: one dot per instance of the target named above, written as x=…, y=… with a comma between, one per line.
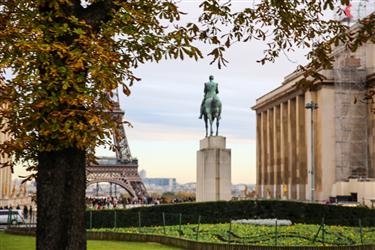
x=343, y=127
x=160, y=184
x=5, y=173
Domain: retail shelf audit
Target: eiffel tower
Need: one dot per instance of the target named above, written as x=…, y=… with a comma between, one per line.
x=122, y=169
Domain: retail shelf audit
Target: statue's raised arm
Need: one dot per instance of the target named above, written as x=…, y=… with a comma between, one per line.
x=211, y=105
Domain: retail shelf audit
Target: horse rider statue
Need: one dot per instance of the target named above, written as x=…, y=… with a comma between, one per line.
x=211, y=105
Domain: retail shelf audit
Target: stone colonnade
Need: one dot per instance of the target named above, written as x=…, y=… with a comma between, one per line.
x=281, y=150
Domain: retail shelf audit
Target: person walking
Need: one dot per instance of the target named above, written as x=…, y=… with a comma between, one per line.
x=25, y=213
x=31, y=214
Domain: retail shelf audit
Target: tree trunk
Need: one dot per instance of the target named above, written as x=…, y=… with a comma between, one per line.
x=61, y=185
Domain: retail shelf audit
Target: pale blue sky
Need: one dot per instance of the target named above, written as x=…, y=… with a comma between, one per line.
x=164, y=108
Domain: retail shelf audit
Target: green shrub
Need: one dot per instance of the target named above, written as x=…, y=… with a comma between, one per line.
x=224, y=211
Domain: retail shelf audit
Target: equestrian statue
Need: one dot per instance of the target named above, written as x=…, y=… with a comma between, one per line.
x=211, y=105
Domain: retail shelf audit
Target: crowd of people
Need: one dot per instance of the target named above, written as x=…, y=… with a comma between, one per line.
x=102, y=202
x=109, y=202
x=118, y=202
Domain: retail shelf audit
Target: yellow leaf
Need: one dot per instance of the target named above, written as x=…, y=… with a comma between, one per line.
x=78, y=64
x=126, y=90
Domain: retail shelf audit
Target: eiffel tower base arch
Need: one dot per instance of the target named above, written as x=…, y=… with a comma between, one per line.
x=124, y=174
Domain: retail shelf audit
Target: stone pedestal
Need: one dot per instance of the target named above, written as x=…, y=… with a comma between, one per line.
x=213, y=170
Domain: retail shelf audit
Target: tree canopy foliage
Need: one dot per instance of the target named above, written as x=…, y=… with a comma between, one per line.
x=66, y=58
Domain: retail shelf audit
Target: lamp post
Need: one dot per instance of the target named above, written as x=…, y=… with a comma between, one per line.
x=312, y=105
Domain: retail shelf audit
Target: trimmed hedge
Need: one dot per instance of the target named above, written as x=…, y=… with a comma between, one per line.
x=225, y=211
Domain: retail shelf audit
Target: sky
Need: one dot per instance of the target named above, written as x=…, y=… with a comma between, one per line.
x=164, y=108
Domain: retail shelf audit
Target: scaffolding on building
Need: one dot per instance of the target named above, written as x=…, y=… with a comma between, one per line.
x=351, y=116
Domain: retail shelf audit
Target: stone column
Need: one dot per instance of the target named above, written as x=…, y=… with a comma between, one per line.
x=213, y=170
x=264, y=154
x=2, y=183
x=292, y=147
x=270, y=161
x=301, y=148
x=277, y=153
x=371, y=138
x=284, y=149
x=258, y=154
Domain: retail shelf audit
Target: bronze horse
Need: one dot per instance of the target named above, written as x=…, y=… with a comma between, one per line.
x=211, y=106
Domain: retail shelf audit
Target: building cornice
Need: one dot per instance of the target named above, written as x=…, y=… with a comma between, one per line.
x=289, y=88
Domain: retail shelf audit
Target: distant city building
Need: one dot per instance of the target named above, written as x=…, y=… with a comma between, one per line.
x=142, y=173
x=343, y=127
x=187, y=187
x=160, y=184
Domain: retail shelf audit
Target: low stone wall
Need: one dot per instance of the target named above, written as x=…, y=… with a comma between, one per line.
x=189, y=244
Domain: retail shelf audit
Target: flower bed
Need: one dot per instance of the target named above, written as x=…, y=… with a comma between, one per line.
x=295, y=235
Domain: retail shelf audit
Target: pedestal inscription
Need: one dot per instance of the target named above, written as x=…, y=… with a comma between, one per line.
x=213, y=170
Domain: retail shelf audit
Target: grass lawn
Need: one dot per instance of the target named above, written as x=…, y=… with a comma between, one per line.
x=15, y=242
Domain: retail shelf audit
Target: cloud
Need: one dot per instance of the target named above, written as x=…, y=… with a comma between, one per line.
x=157, y=132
